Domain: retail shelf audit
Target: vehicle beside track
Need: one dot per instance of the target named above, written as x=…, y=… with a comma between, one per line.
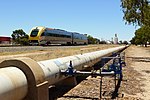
x=46, y=36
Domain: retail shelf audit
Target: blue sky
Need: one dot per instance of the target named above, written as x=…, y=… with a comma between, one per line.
x=99, y=18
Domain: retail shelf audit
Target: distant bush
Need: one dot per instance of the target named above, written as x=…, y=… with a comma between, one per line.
x=20, y=37
x=92, y=40
x=102, y=42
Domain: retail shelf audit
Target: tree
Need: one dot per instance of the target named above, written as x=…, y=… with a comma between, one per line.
x=102, y=42
x=142, y=36
x=92, y=40
x=133, y=41
x=125, y=42
x=20, y=37
x=120, y=42
x=136, y=12
x=97, y=41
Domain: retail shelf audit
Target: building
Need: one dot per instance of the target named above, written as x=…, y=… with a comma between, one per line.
x=5, y=40
x=115, y=39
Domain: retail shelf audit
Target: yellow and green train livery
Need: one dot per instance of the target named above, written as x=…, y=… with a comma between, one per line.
x=46, y=36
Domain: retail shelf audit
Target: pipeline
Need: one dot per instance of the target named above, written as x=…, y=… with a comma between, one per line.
x=25, y=79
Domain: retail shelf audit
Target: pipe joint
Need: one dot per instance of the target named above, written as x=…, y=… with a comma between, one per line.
x=34, y=74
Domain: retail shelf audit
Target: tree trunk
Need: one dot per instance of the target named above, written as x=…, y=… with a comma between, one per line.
x=145, y=44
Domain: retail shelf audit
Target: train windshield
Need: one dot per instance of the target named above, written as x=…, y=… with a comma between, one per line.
x=34, y=33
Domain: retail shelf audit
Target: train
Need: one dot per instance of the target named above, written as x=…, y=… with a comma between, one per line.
x=46, y=36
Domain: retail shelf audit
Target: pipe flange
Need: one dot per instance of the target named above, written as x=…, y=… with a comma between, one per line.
x=32, y=71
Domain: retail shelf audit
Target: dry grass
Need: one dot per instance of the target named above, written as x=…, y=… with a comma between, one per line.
x=51, y=53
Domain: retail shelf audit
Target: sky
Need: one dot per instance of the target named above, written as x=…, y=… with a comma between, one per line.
x=101, y=19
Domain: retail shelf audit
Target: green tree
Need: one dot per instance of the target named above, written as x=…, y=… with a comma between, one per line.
x=142, y=36
x=102, y=42
x=125, y=42
x=120, y=42
x=133, y=40
x=136, y=12
x=92, y=40
x=20, y=37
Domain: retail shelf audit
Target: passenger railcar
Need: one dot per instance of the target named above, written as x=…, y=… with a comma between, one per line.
x=45, y=36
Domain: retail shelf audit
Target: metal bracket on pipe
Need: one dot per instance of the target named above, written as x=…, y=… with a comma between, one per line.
x=73, y=72
x=70, y=71
x=114, y=68
x=117, y=63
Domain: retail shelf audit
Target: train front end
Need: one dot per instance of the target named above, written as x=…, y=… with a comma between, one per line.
x=34, y=35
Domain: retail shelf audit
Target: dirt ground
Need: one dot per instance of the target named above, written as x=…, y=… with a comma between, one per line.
x=137, y=73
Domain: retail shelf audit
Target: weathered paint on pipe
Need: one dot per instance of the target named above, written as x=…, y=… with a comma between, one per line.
x=13, y=84
x=52, y=71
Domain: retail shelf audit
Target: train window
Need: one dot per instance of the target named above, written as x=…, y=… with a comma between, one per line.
x=34, y=33
x=48, y=34
x=68, y=36
x=43, y=34
x=56, y=35
x=51, y=34
x=62, y=35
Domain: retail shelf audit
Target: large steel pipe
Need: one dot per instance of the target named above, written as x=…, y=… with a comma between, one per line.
x=53, y=67
x=51, y=70
x=13, y=84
